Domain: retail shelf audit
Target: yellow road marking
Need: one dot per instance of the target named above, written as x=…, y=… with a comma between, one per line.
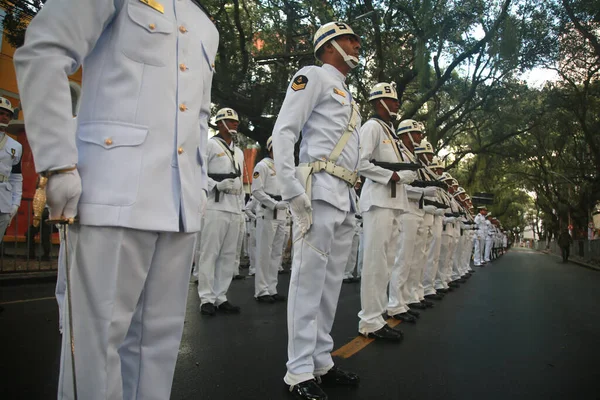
x=359, y=343
x=28, y=300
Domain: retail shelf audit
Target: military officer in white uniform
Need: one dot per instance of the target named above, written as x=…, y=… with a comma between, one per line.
x=319, y=104
x=131, y=167
x=490, y=231
x=221, y=227
x=383, y=202
x=434, y=245
x=11, y=179
x=478, y=256
x=408, y=268
x=270, y=228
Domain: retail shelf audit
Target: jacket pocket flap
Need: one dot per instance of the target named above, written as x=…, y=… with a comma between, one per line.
x=111, y=135
x=149, y=19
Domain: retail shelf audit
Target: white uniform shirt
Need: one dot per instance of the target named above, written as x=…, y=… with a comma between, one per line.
x=140, y=137
x=376, y=144
x=11, y=182
x=265, y=186
x=219, y=162
x=319, y=107
x=480, y=223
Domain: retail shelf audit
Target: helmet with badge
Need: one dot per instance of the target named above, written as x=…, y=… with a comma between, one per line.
x=436, y=163
x=424, y=148
x=5, y=104
x=384, y=90
x=226, y=113
x=332, y=30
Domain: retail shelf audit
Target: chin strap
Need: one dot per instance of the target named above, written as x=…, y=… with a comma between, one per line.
x=350, y=60
x=393, y=116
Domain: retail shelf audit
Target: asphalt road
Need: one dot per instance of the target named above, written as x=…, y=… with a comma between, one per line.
x=526, y=327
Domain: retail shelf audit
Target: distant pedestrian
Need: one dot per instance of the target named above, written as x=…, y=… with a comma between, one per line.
x=565, y=241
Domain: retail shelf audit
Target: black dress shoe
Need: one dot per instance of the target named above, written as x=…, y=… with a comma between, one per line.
x=283, y=272
x=418, y=306
x=427, y=303
x=453, y=285
x=238, y=277
x=338, y=377
x=414, y=313
x=386, y=334
x=434, y=296
x=405, y=317
x=461, y=280
x=348, y=280
x=278, y=298
x=444, y=291
x=265, y=299
x=308, y=390
x=228, y=308
x=208, y=309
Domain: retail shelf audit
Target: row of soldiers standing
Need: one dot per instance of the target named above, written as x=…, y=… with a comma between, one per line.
x=419, y=227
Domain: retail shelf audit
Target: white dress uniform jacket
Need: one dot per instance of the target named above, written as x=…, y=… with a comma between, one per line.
x=218, y=162
x=11, y=179
x=143, y=120
x=321, y=112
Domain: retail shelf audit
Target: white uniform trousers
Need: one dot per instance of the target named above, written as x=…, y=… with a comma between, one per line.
x=251, y=233
x=406, y=272
x=129, y=291
x=478, y=250
x=445, y=266
x=317, y=272
x=286, y=239
x=240, y=242
x=216, y=258
x=488, y=248
x=4, y=221
x=433, y=256
x=269, y=251
x=353, y=257
x=361, y=252
x=457, y=258
x=466, y=253
x=418, y=291
x=381, y=227
x=61, y=283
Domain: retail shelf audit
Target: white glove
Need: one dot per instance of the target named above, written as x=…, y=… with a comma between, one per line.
x=62, y=193
x=237, y=184
x=430, y=209
x=250, y=214
x=430, y=191
x=282, y=205
x=450, y=220
x=439, y=212
x=407, y=177
x=225, y=185
x=13, y=212
x=301, y=212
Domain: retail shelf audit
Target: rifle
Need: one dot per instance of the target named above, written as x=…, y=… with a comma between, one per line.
x=424, y=184
x=220, y=178
x=434, y=203
x=395, y=167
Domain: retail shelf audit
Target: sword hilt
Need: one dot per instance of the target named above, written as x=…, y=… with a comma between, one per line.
x=62, y=221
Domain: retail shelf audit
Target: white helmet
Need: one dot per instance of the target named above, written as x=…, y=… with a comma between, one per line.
x=446, y=177
x=226, y=113
x=330, y=31
x=459, y=191
x=5, y=104
x=407, y=126
x=424, y=148
x=384, y=90
x=435, y=162
x=270, y=143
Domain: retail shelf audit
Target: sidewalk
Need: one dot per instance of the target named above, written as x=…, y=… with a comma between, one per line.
x=574, y=259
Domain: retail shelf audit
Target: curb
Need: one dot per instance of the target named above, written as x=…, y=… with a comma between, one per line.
x=580, y=263
x=20, y=278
